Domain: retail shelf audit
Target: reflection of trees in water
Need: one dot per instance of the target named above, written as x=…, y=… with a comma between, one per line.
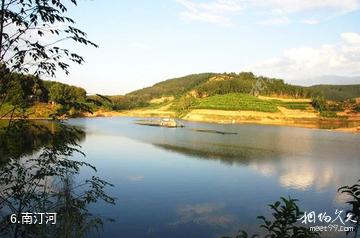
x=24, y=138
x=46, y=183
x=226, y=154
x=300, y=172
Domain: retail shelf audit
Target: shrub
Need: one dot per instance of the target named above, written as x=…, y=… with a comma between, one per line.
x=286, y=214
x=356, y=108
x=319, y=103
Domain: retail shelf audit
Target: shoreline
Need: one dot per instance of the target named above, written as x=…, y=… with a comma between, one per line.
x=309, y=123
x=226, y=118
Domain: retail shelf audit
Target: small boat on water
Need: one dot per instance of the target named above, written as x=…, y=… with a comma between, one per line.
x=163, y=122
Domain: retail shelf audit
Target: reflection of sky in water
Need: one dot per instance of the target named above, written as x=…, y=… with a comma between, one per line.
x=182, y=183
x=204, y=213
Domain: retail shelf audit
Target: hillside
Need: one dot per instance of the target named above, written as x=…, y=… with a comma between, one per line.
x=209, y=84
x=337, y=92
x=173, y=87
x=205, y=85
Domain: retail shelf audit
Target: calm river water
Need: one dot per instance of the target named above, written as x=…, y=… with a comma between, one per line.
x=188, y=183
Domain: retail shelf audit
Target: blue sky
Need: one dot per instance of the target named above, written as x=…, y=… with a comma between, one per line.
x=143, y=42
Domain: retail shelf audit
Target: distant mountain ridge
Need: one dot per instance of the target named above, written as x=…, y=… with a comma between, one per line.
x=335, y=80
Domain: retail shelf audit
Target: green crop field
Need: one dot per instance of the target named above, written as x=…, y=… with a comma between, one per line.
x=245, y=102
x=236, y=101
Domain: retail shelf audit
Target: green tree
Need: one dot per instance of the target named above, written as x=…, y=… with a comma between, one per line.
x=47, y=24
x=31, y=33
x=62, y=93
x=57, y=93
x=286, y=214
x=23, y=181
x=319, y=103
x=71, y=99
x=78, y=93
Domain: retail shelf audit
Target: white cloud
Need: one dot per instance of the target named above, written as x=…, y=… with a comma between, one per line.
x=290, y=6
x=342, y=58
x=221, y=12
x=218, y=12
x=351, y=38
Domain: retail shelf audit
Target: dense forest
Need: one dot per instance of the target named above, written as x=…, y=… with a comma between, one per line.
x=26, y=91
x=30, y=89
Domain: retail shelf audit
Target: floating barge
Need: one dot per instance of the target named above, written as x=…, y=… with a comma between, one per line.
x=163, y=122
x=215, y=132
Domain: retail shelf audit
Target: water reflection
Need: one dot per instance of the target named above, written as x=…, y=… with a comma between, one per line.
x=297, y=172
x=23, y=138
x=135, y=178
x=305, y=173
x=229, y=155
x=38, y=174
x=211, y=214
x=299, y=158
x=185, y=183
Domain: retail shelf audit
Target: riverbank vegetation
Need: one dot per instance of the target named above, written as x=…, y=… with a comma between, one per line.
x=32, y=97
